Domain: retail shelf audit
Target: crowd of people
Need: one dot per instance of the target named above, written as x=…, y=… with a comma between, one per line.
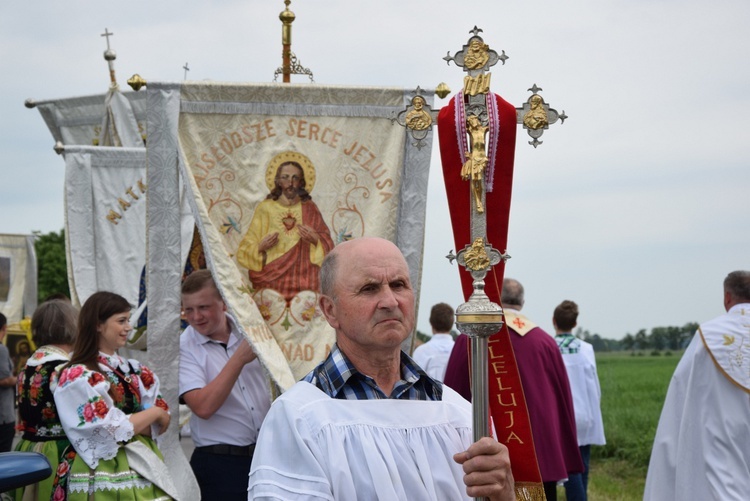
x=368, y=422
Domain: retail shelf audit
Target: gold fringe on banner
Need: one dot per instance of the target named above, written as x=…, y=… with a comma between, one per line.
x=530, y=491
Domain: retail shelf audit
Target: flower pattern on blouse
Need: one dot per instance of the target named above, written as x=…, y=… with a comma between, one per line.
x=96, y=408
x=38, y=417
x=70, y=374
x=147, y=377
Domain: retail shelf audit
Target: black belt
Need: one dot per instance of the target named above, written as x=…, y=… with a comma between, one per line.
x=228, y=450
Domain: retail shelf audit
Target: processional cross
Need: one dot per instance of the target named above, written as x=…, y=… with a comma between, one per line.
x=110, y=56
x=479, y=318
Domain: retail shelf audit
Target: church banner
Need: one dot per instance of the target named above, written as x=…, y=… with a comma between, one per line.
x=245, y=150
x=105, y=220
x=79, y=120
x=18, y=275
x=106, y=231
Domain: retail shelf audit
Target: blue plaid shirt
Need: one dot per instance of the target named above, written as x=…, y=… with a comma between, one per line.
x=338, y=378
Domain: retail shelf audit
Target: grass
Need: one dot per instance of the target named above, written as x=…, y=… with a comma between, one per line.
x=633, y=392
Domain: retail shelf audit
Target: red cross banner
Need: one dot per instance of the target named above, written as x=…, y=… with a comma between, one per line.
x=507, y=402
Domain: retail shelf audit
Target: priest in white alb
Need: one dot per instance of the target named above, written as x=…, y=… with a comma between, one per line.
x=702, y=444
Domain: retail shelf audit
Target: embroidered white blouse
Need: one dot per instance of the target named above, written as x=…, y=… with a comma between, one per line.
x=94, y=423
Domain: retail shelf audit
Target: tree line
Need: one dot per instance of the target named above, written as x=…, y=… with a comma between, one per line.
x=671, y=338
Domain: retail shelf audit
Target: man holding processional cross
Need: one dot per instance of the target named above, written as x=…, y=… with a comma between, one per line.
x=362, y=448
x=349, y=429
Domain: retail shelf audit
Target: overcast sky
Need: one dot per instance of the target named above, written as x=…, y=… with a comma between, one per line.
x=636, y=207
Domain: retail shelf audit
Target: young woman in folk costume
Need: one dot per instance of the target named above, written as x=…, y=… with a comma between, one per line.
x=110, y=409
x=53, y=329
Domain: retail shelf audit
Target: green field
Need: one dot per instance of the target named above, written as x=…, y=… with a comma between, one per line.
x=633, y=391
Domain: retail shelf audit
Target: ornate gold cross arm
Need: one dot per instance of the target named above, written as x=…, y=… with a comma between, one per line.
x=536, y=116
x=418, y=116
x=476, y=56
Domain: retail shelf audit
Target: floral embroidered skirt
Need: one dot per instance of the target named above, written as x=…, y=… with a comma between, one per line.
x=53, y=451
x=113, y=479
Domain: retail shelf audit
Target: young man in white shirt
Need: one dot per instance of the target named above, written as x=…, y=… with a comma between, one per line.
x=223, y=383
x=433, y=355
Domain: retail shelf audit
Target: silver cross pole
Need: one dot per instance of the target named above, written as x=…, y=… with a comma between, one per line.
x=478, y=318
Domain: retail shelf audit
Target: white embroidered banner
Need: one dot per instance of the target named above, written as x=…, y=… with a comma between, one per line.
x=18, y=275
x=237, y=144
x=119, y=125
x=106, y=228
x=105, y=219
x=79, y=120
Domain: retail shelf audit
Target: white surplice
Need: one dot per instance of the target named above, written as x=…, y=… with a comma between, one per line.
x=314, y=447
x=702, y=445
x=587, y=394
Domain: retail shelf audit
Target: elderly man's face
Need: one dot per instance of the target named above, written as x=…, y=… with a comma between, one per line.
x=373, y=309
x=290, y=181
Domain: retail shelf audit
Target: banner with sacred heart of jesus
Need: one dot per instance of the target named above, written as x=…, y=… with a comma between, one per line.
x=278, y=174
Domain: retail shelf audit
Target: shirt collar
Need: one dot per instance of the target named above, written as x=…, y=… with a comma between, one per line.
x=568, y=343
x=740, y=308
x=336, y=371
x=114, y=361
x=47, y=353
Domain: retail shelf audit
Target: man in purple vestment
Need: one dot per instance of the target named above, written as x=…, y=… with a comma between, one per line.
x=545, y=386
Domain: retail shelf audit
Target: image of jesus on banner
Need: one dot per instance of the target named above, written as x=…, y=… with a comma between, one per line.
x=287, y=238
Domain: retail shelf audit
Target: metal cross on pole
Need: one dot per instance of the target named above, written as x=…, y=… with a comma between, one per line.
x=478, y=318
x=477, y=116
x=110, y=56
x=186, y=68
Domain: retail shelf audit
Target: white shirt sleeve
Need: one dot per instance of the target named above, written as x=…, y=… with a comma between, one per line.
x=92, y=422
x=192, y=375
